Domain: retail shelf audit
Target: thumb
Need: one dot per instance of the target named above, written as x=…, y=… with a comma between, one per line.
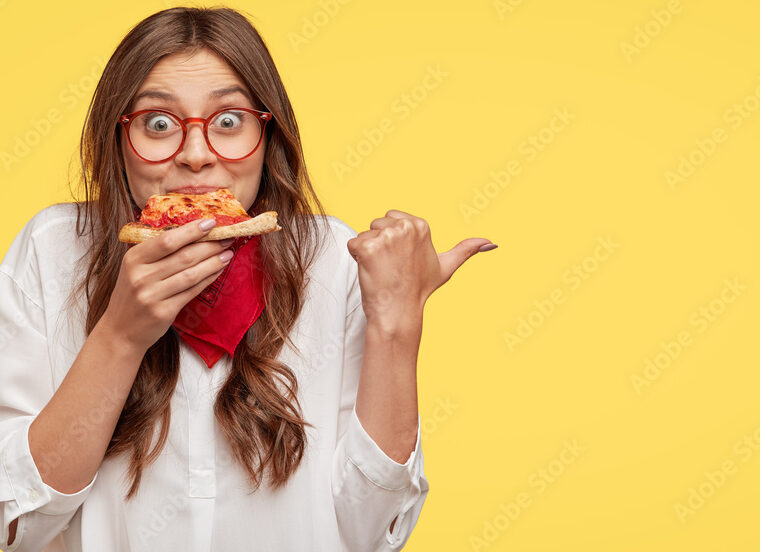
x=454, y=258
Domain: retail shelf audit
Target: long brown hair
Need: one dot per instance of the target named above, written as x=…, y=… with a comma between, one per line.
x=257, y=407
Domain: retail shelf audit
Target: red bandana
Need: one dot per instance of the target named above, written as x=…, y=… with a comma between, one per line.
x=216, y=319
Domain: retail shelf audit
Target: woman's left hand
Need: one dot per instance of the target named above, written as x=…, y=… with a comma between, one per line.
x=399, y=267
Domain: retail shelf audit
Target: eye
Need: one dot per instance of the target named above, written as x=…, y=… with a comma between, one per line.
x=159, y=122
x=228, y=120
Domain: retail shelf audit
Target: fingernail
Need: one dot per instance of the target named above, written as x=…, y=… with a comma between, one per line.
x=487, y=247
x=225, y=256
x=207, y=224
x=228, y=241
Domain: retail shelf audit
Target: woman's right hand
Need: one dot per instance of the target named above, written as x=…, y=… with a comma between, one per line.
x=157, y=278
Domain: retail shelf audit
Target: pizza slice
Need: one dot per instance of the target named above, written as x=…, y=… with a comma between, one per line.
x=164, y=212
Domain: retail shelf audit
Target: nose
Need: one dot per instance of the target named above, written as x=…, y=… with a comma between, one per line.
x=195, y=152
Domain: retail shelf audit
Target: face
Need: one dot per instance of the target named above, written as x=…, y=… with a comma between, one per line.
x=185, y=85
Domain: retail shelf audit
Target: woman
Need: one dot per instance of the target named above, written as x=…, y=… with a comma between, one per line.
x=114, y=433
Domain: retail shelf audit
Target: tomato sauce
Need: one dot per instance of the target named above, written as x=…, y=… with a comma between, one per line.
x=167, y=219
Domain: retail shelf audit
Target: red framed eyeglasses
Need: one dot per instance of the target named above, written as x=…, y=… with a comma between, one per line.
x=157, y=135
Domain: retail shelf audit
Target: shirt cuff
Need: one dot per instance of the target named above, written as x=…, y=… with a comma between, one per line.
x=377, y=466
x=29, y=490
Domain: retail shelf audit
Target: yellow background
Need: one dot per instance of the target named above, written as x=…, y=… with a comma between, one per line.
x=644, y=86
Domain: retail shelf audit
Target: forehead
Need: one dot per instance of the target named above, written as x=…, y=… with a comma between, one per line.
x=190, y=76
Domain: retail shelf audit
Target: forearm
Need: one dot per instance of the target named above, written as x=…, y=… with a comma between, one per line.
x=69, y=437
x=386, y=402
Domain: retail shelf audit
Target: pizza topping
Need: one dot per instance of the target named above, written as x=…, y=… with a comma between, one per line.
x=178, y=209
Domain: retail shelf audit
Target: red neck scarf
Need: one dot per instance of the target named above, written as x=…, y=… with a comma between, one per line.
x=214, y=322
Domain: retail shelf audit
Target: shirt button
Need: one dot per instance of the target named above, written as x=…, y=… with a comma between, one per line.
x=33, y=496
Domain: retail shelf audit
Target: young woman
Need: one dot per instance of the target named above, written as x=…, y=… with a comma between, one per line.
x=118, y=430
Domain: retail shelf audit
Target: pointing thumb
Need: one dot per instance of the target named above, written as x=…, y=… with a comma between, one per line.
x=452, y=259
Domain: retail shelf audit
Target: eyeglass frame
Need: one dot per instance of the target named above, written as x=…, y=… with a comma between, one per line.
x=126, y=120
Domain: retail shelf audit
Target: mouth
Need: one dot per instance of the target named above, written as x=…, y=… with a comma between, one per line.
x=195, y=189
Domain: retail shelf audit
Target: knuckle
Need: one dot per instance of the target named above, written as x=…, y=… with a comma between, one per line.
x=132, y=275
x=157, y=312
x=167, y=242
x=185, y=257
x=128, y=256
x=138, y=281
x=143, y=299
x=188, y=277
x=405, y=225
x=370, y=247
x=129, y=262
x=421, y=225
x=356, y=249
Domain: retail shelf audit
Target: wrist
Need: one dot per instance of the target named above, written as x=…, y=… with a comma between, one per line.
x=117, y=339
x=403, y=325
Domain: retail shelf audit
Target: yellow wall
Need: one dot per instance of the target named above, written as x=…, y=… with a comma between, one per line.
x=592, y=384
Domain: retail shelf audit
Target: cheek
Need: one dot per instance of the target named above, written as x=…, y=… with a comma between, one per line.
x=248, y=171
x=247, y=176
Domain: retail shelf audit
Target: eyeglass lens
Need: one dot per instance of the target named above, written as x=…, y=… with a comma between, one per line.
x=157, y=136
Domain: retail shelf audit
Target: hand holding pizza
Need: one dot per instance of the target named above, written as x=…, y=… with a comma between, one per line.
x=399, y=267
x=160, y=276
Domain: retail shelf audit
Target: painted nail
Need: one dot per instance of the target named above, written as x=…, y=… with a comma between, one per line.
x=228, y=241
x=207, y=224
x=487, y=247
x=225, y=256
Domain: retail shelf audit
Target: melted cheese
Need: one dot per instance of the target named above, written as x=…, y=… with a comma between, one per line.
x=176, y=209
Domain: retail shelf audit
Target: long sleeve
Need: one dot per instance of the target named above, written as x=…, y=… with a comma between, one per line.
x=26, y=386
x=369, y=488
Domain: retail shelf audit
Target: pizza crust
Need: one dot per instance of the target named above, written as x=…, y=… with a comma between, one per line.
x=135, y=232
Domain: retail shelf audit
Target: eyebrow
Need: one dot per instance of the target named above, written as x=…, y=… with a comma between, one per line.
x=214, y=94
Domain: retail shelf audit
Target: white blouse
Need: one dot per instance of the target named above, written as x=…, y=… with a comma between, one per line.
x=343, y=496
